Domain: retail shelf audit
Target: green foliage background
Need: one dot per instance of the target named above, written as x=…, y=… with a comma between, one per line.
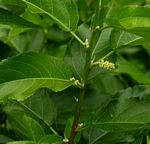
x=50, y=53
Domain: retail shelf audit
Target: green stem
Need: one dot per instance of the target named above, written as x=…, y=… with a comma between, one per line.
x=77, y=38
x=94, y=38
x=57, y=21
x=76, y=117
x=107, y=55
x=87, y=69
x=54, y=132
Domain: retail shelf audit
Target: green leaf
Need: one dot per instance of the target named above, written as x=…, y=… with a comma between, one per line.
x=4, y=138
x=4, y=31
x=53, y=139
x=133, y=22
x=128, y=111
x=82, y=7
x=75, y=57
x=8, y=18
x=131, y=69
x=102, y=83
x=68, y=127
x=65, y=104
x=148, y=140
x=128, y=2
x=134, y=19
x=138, y=141
x=15, y=31
x=103, y=44
x=121, y=39
x=64, y=13
x=24, y=126
x=28, y=41
x=110, y=7
x=21, y=142
x=16, y=6
x=31, y=17
x=96, y=136
x=76, y=53
x=41, y=106
x=30, y=72
x=102, y=48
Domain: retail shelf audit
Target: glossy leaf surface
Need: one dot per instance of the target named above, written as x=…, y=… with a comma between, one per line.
x=134, y=19
x=32, y=71
x=127, y=112
x=64, y=13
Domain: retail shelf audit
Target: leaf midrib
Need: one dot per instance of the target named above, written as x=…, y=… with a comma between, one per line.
x=49, y=14
x=26, y=79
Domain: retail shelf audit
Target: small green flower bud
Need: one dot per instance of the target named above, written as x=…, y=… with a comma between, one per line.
x=86, y=43
x=65, y=140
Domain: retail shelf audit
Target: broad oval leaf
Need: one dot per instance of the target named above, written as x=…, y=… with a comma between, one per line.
x=121, y=38
x=30, y=72
x=127, y=67
x=134, y=19
x=41, y=106
x=103, y=44
x=54, y=139
x=96, y=136
x=133, y=22
x=128, y=111
x=24, y=126
x=64, y=13
x=76, y=53
x=27, y=41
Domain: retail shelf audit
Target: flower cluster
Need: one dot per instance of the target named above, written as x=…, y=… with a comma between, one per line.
x=106, y=65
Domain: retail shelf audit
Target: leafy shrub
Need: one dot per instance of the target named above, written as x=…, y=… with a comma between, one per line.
x=74, y=71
